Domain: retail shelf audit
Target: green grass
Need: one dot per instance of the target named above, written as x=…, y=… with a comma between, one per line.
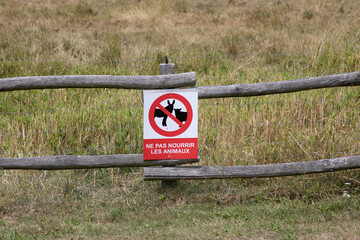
x=100, y=205
x=224, y=43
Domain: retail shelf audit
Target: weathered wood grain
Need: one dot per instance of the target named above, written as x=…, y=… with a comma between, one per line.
x=83, y=162
x=167, y=68
x=260, y=171
x=267, y=88
x=99, y=81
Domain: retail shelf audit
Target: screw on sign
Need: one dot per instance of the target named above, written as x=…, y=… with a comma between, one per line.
x=159, y=111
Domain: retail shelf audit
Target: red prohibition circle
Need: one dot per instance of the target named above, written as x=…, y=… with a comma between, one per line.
x=157, y=102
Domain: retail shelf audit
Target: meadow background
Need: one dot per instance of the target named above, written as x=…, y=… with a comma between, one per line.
x=224, y=42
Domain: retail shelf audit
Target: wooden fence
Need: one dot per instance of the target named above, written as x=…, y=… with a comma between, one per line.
x=168, y=80
x=162, y=81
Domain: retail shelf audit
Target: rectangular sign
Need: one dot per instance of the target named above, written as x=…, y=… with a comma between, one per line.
x=170, y=124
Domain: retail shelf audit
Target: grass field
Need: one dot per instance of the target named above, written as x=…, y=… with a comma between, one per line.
x=224, y=42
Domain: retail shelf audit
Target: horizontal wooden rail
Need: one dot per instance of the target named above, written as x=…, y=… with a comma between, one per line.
x=260, y=171
x=267, y=88
x=83, y=162
x=99, y=81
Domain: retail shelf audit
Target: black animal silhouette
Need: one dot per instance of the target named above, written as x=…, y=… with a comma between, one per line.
x=160, y=114
x=181, y=116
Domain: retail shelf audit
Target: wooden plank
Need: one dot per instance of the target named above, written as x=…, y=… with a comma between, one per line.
x=267, y=88
x=99, y=81
x=83, y=162
x=168, y=68
x=260, y=171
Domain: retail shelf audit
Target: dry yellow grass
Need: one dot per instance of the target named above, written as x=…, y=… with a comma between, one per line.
x=84, y=29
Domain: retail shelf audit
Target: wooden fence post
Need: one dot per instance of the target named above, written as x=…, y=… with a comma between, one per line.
x=168, y=68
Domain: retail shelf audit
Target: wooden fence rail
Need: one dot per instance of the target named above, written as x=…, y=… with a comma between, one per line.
x=76, y=162
x=99, y=81
x=248, y=171
x=267, y=88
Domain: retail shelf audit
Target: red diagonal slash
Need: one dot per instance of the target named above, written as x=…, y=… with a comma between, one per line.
x=170, y=115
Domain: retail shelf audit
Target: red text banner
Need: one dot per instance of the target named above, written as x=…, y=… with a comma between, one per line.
x=176, y=148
